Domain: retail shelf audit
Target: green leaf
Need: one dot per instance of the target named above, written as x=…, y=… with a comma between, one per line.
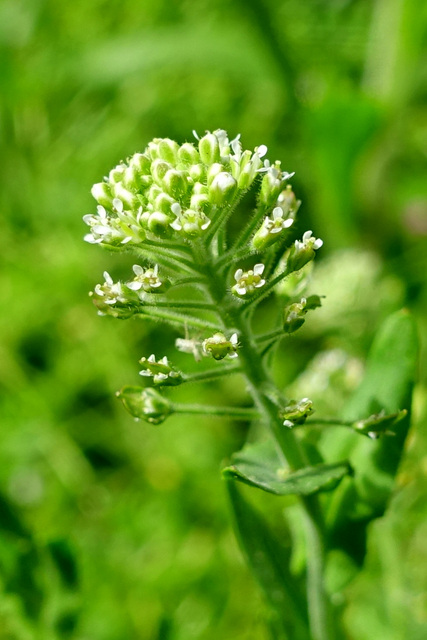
x=387, y=385
x=259, y=466
x=269, y=562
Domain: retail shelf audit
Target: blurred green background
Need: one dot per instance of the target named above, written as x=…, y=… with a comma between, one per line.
x=111, y=529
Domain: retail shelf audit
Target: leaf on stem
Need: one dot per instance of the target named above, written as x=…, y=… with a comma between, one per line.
x=259, y=466
x=269, y=562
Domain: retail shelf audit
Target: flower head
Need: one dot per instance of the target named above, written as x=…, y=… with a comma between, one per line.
x=248, y=281
x=219, y=347
x=160, y=371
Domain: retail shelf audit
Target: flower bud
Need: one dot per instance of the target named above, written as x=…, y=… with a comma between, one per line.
x=116, y=174
x=159, y=168
x=302, y=252
x=131, y=178
x=145, y=404
x=296, y=413
x=197, y=172
x=200, y=201
x=271, y=186
x=287, y=201
x=102, y=193
x=168, y=150
x=161, y=372
x=141, y=162
x=175, y=183
x=219, y=347
x=209, y=149
x=159, y=223
x=188, y=154
x=294, y=314
x=129, y=199
x=271, y=230
x=163, y=202
x=379, y=424
x=222, y=189
x=213, y=171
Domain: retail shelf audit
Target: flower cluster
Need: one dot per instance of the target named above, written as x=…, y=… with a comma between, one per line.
x=172, y=190
x=121, y=300
x=160, y=371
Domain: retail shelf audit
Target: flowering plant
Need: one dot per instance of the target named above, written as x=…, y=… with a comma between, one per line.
x=173, y=206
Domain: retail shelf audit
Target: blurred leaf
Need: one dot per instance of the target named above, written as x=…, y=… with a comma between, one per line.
x=269, y=562
x=65, y=561
x=259, y=466
x=388, y=383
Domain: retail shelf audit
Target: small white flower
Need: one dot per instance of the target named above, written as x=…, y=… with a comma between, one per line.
x=110, y=292
x=145, y=279
x=248, y=281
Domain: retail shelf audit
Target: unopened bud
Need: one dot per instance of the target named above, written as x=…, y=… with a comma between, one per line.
x=296, y=412
x=168, y=150
x=209, y=149
x=222, y=188
x=145, y=404
x=188, y=154
x=102, y=194
x=159, y=168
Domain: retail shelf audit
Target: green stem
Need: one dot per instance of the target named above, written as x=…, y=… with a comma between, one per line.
x=293, y=455
x=238, y=413
x=212, y=374
x=200, y=306
x=178, y=319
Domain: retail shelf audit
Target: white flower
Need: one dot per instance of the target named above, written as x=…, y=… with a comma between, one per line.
x=189, y=222
x=219, y=347
x=111, y=292
x=145, y=279
x=248, y=281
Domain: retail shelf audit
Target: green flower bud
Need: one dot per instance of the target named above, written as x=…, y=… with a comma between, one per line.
x=175, y=183
x=222, y=189
x=159, y=168
x=129, y=199
x=132, y=178
x=141, y=162
x=200, y=201
x=287, y=202
x=213, y=171
x=168, y=150
x=197, y=172
x=163, y=202
x=379, y=424
x=161, y=372
x=200, y=188
x=145, y=404
x=219, y=347
x=302, y=252
x=159, y=224
x=294, y=314
x=296, y=412
x=153, y=192
x=116, y=174
x=209, y=149
x=271, y=230
x=102, y=193
x=188, y=154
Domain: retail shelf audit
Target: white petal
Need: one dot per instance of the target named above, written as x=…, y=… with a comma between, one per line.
x=258, y=269
x=240, y=290
x=262, y=150
x=107, y=277
x=307, y=235
x=118, y=204
x=234, y=339
x=176, y=208
x=318, y=243
x=152, y=358
x=277, y=213
x=288, y=223
x=238, y=274
x=288, y=423
x=134, y=285
x=137, y=269
x=89, y=237
x=176, y=225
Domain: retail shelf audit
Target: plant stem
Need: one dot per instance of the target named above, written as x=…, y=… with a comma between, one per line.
x=292, y=453
x=178, y=319
x=211, y=374
x=238, y=413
